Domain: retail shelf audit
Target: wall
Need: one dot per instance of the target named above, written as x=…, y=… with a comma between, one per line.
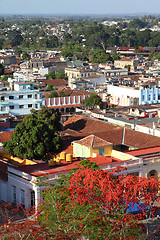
x=107, y=151
x=148, y=96
x=90, y=152
x=121, y=155
x=80, y=148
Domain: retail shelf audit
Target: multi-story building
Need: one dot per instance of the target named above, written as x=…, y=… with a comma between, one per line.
x=20, y=99
x=78, y=73
x=115, y=72
x=129, y=92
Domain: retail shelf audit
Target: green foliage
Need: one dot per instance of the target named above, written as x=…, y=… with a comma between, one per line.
x=128, y=67
x=53, y=94
x=92, y=101
x=116, y=56
x=5, y=77
x=36, y=136
x=136, y=23
x=52, y=42
x=60, y=74
x=70, y=212
x=49, y=87
x=154, y=56
x=63, y=94
x=67, y=53
x=87, y=164
x=1, y=43
x=25, y=56
x=15, y=37
x=1, y=69
x=50, y=75
x=99, y=56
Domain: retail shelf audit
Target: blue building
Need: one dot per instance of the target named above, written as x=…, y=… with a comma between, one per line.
x=21, y=99
x=148, y=96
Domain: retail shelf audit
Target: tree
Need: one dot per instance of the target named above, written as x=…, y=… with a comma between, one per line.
x=50, y=75
x=91, y=203
x=60, y=74
x=17, y=51
x=92, y=101
x=99, y=56
x=5, y=77
x=15, y=37
x=18, y=224
x=53, y=94
x=108, y=98
x=25, y=56
x=52, y=42
x=64, y=94
x=67, y=53
x=36, y=136
x=1, y=69
x=49, y=87
x=1, y=43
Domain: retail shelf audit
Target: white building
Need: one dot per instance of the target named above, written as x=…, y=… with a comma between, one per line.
x=21, y=99
x=128, y=96
x=19, y=184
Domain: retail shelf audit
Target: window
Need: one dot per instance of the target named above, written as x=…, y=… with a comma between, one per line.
x=83, y=152
x=77, y=150
x=2, y=98
x=36, y=105
x=29, y=105
x=158, y=96
x=32, y=198
x=11, y=107
x=35, y=96
x=149, y=97
x=142, y=97
x=154, y=96
x=3, y=108
x=101, y=151
x=11, y=97
x=21, y=106
x=14, y=194
x=30, y=96
x=24, y=87
x=22, y=197
x=20, y=96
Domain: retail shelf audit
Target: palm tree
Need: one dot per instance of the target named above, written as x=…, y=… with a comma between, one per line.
x=108, y=98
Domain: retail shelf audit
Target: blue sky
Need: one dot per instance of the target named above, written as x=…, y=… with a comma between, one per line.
x=77, y=7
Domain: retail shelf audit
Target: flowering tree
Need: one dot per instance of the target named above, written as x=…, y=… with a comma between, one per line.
x=17, y=223
x=93, y=204
x=86, y=204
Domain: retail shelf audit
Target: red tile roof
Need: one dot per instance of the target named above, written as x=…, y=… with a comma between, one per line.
x=93, y=141
x=5, y=136
x=43, y=169
x=56, y=82
x=125, y=48
x=139, y=139
x=8, y=71
x=144, y=151
x=87, y=125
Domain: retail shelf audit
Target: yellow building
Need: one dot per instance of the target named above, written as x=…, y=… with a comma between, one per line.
x=91, y=146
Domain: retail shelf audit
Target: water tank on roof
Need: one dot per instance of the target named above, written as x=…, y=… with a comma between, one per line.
x=69, y=158
x=63, y=155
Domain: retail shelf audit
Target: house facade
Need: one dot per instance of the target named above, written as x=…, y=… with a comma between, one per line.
x=20, y=100
x=127, y=96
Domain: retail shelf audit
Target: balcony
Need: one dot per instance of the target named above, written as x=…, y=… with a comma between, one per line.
x=4, y=102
